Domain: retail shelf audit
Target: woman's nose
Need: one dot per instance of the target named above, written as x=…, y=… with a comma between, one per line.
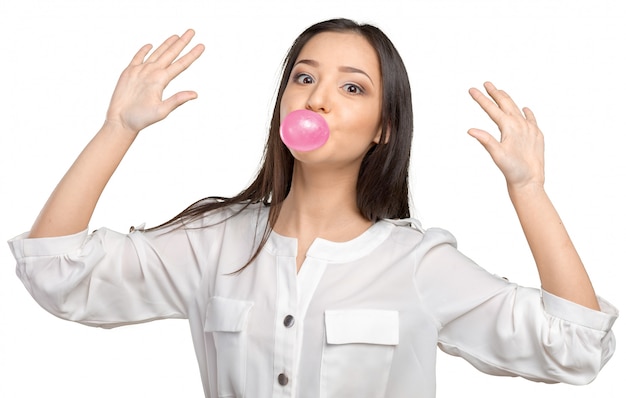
x=319, y=99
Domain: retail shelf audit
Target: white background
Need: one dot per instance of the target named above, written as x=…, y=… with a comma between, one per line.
x=60, y=60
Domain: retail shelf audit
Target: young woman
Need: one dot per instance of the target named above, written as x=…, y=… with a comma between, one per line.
x=314, y=281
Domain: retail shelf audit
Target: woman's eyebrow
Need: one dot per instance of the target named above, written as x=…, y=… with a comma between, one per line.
x=308, y=62
x=346, y=69
x=351, y=69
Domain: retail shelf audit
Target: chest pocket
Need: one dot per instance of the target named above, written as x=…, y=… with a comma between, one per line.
x=358, y=352
x=226, y=321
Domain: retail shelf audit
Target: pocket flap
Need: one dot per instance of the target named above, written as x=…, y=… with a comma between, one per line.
x=226, y=315
x=362, y=326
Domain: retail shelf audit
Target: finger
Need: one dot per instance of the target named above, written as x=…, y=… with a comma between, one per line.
x=185, y=61
x=504, y=101
x=141, y=54
x=162, y=48
x=492, y=109
x=530, y=116
x=174, y=50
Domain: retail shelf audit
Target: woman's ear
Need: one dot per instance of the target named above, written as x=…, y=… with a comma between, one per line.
x=380, y=134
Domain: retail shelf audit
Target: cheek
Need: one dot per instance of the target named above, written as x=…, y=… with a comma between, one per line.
x=285, y=106
x=371, y=123
x=376, y=120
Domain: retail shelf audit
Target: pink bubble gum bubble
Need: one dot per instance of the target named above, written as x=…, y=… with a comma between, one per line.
x=303, y=130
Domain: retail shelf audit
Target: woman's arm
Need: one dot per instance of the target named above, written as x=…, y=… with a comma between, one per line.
x=136, y=103
x=520, y=156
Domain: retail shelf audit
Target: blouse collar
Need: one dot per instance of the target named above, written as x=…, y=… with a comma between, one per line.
x=326, y=250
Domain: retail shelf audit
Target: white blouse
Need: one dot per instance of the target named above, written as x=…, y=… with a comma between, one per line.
x=361, y=319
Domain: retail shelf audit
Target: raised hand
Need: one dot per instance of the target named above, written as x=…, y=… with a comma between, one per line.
x=519, y=153
x=137, y=101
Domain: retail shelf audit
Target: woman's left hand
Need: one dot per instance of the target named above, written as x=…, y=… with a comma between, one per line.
x=520, y=152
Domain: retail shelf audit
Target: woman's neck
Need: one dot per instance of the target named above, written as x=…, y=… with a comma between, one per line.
x=322, y=203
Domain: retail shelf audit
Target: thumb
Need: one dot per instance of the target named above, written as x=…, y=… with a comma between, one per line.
x=487, y=141
x=177, y=100
x=484, y=138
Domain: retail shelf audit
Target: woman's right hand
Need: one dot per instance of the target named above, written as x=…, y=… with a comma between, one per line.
x=137, y=101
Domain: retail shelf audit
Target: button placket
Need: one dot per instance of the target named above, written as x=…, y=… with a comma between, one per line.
x=285, y=333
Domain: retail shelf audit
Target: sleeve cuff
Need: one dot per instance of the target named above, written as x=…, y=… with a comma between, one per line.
x=563, y=309
x=23, y=246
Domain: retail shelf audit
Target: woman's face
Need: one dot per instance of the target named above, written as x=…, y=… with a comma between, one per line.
x=338, y=76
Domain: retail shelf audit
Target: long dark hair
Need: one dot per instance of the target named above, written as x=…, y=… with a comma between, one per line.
x=382, y=184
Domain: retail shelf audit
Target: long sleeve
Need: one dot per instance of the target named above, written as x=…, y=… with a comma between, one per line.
x=505, y=329
x=109, y=279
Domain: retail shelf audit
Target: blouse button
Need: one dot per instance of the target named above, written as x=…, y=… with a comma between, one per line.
x=283, y=379
x=289, y=321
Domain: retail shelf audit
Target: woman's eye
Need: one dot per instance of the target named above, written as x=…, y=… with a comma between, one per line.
x=303, y=78
x=353, y=89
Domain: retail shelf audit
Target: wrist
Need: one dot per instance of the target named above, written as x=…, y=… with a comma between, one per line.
x=118, y=125
x=526, y=192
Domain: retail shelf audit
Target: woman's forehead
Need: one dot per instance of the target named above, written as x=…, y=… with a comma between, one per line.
x=341, y=49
